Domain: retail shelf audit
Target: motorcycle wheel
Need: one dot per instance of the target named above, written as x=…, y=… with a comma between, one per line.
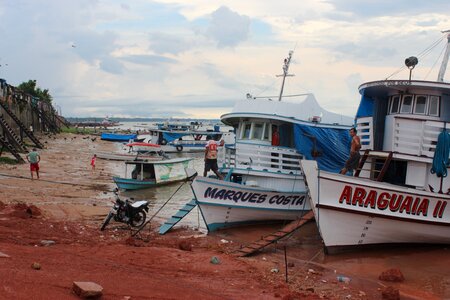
x=138, y=219
x=106, y=221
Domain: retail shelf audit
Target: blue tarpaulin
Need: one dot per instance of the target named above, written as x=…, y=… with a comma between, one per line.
x=365, y=108
x=330, y=147
x=172, y=136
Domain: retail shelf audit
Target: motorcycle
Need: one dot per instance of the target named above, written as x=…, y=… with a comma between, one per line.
x=131, y=213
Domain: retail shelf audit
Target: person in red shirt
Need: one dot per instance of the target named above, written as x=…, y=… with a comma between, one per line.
x=93, y=159
x=211, y=149
x=275, y=136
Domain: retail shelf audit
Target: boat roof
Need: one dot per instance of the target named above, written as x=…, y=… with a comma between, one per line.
x=299, y=112
x=159, y=162
x=383, y=88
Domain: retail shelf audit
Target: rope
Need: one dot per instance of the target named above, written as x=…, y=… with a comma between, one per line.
x=151, y=218
x=51, y=181
x=420, y=55
x=441, y=159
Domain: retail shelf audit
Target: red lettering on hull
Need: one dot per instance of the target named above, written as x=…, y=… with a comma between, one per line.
x=394, y=202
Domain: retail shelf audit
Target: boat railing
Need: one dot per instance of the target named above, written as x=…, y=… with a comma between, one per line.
x=364, y=126
x=416, y=137
x=403, y=135
x=262, y=158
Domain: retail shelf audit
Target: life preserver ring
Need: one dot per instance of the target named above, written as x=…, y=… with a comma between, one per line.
x=163, y=142
x=179, y=148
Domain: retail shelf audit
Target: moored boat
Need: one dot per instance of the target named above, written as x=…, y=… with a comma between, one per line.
x=117, y=137
x=399, y=194
x=128, y=156
x=141, y=174
x=264, y=181
x=173, y=141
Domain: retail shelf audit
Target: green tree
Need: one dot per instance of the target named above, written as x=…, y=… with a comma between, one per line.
x=30, y=87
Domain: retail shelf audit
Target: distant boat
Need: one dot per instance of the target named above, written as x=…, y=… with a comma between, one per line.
x=172, y=141
x=143, y=174
x=131, y=156
x=144, y=147
x=107, y=122
x=116, y=137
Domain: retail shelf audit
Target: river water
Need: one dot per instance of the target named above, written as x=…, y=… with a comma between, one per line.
x=426, y=268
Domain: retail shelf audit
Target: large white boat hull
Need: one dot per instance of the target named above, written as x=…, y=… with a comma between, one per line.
x=353, y=211
x=227, y=204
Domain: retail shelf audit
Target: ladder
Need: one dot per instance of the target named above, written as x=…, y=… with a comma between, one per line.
x=377, y=174
x=63, y=121
x=4, y=142
x=22, y=126
x=50, y=124
x=274, y=237
x=177, y=217
x=12, y=135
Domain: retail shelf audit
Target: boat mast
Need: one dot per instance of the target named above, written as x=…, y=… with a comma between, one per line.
x=445, y=59
x=287, y=61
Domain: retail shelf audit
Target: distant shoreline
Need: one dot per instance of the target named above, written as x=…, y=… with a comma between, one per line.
x=98, y=119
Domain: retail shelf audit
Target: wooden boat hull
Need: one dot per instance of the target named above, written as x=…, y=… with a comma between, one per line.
x=227, y=204
x=133, y=184
x=127, y=156
x=353, y=211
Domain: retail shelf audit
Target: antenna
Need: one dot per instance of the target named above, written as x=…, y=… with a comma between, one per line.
x=444, y=59
x=287, y=61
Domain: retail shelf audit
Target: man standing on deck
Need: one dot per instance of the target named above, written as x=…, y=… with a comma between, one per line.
x=211, y=149
x=275, y=136
x=353, y=161
x=34, y=158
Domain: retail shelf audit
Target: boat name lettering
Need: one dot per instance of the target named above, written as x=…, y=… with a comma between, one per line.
x=395, y=202
x=389, y=83
x=224, y=194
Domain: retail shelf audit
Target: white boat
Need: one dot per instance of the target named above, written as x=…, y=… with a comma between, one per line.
x=128, y=156
x=264, y=181
x=173, y=141
x=399, y=193
x=148, y=174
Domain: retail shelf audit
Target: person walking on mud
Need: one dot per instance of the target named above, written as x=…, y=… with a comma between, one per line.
x=353, y=161
x=93, y=159
x=34, y=158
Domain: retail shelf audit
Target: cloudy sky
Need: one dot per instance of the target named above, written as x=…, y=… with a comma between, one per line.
x=195, y=58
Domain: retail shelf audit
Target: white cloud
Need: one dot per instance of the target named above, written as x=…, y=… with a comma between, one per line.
x=228, y=28
x=195, y=58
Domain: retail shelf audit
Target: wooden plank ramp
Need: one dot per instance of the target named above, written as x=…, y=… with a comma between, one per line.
x=276, y=236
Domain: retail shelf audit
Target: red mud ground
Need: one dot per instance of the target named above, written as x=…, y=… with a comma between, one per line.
x=150, y=267
x=63, y=206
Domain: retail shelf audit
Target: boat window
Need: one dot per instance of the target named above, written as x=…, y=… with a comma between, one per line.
x=257, y=131
x=421, y=105
x=267, y=131
x=406, y=104
x=246, y=132
x=433, y=109
x=395, y=103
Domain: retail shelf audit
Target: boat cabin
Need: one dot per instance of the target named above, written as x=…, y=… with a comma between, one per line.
x=273, y=136
x=140, y=171
x=399, y=122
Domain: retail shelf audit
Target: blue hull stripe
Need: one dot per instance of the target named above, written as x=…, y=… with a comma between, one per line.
x=243, y=187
